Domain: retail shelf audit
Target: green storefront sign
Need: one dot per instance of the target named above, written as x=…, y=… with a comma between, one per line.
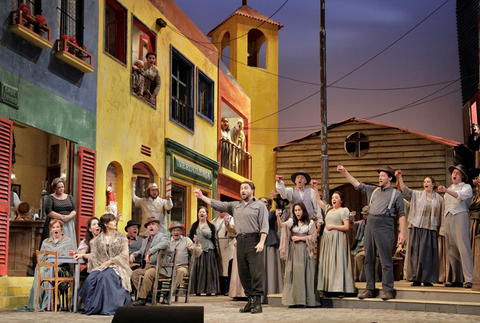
x=190, y=170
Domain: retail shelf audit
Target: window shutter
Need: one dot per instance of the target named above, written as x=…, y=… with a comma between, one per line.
x=6, y=130
x=85, y=189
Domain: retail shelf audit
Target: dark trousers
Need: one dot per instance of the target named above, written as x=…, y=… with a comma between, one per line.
x=250, y=264
x=379, y=237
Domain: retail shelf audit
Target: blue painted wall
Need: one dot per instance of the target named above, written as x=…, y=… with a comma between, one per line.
x=40, y=67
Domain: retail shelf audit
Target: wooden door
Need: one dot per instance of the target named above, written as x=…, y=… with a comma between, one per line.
x=6, y=134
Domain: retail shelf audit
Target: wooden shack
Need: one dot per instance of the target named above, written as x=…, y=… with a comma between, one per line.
x=362, y=146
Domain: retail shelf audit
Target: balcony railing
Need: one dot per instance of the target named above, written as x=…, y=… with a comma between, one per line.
x=182, y=112
x=235, y=159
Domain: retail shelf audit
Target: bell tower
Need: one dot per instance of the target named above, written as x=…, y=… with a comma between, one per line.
x=247, y=41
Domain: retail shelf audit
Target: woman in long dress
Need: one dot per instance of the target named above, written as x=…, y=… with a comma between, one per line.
x=335, y=274
x=108, y=285
x=56, y=242
x=61, y=206
x=297, y=246
x=205, y=277
x=426, y=209
x=272, y=272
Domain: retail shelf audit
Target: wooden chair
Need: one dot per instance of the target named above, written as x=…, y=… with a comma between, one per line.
x=52, y=281
x=163, y=284
x=184, y=286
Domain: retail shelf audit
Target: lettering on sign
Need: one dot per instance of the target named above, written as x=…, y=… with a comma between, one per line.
x=193, y=171
x=9, y=95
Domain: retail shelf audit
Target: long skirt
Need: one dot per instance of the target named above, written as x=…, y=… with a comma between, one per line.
x=474, y=231
x=102, y=293
x=272, y=272
x=423, y=261
x=335, y=272
x=299, y=280
x=444, y=270
x=205, y=278
x=235, y=289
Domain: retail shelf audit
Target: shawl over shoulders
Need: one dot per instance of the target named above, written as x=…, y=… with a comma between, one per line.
x=117, y=251
x=287, y=233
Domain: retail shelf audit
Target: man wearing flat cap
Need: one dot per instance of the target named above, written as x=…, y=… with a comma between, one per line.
x=456, y=223
x=152, y=205
x=184, y=248
x=385, y=203
x=134, y=241
x=151, y=247
x=300, y=193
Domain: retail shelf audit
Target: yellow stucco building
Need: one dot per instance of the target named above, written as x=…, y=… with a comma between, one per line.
x=172, y=137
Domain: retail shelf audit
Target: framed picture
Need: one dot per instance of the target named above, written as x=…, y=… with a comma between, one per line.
x=17, y=189
x=54, y=153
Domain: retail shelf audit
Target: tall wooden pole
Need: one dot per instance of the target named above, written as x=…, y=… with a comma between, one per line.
x=323, y=103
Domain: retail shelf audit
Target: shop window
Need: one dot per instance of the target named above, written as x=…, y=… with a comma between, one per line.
x=71, y=19
x=205, y=94
x=357, y=144
x=178, y=199
x=115, y=30
x=181, y=109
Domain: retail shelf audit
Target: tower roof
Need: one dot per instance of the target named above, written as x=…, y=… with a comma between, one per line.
x=248, y=12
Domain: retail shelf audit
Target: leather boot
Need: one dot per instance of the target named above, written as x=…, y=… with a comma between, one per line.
x=257, y=305
x=249, y=306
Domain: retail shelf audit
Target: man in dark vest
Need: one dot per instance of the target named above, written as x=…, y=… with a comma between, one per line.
x=300, y=193
x=386, y=203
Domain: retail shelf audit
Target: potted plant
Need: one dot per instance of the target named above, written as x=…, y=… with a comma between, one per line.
x=25, y=12
x=81, y=54
x=41, y=23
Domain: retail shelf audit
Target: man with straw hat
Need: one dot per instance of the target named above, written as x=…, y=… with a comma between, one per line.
x=152, y=205
x=300, y=193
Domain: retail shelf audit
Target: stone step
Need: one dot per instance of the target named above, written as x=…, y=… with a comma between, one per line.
x=13, y=301
x=14, y=291
x=438, y=292
x=16, y=281
x=429, y=299
x=405, y=305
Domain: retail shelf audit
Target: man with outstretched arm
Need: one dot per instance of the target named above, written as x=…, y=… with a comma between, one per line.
x=386, y=203
x=251, y=223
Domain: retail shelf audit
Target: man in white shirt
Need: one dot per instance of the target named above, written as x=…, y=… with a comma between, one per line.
x=457, y=224
x=152, y=206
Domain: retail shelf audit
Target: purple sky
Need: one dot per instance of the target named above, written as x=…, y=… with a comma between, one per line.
x=356, y=32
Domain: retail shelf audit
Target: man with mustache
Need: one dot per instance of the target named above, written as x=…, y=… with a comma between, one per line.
x=457, y=224
x=385, y=203
x=151, y=247
x=251, y=223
